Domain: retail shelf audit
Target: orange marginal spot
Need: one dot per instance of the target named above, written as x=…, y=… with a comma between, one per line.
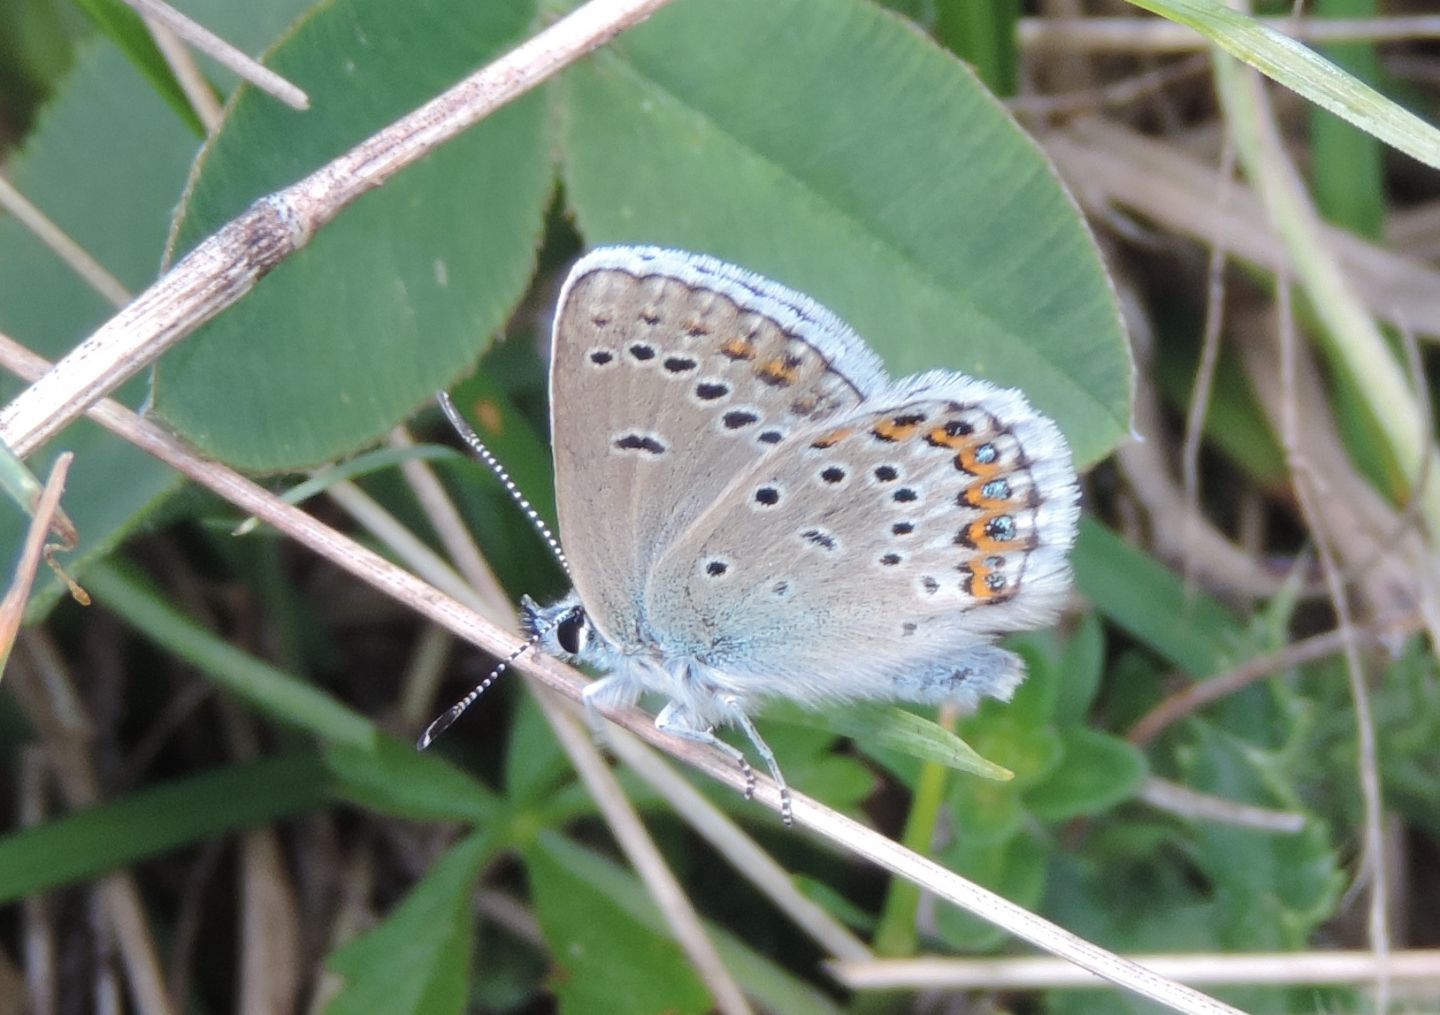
x=780, y=371
x=898, y=428
x=988, y=495
x=833, y=438
x=737, y=348
x=945, y=437
x=982, y=459
x=984, y=582
x=992, y=533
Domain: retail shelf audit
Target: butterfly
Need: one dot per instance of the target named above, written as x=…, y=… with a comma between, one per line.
x=752, y=509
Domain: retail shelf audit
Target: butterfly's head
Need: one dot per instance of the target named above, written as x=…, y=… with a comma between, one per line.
x=561, y=629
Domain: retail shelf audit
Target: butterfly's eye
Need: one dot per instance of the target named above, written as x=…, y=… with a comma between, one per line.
x=570, y=630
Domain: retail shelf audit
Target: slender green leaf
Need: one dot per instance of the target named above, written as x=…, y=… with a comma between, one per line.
x=606, y=959
x=1193, y=631
x=1295, y=66
x=126, y=30
x=158, y=819
x=282, y=696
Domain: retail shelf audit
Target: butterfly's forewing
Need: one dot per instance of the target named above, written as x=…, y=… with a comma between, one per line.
x=878, y=554
x=671, y=374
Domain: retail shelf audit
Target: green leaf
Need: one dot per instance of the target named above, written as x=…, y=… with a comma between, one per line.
x=279, y=694
x=1280, y=57
x=606, y=959
x=897, y=192
x=1193, y=631
x=1097, y=772
x=770, y=986
x=418, y=960
x=1081, y=667
x=104, y=114
x=397, y=296
x=126, y=30
x=156, y=820
x=394, y=778
x=1015, y=868
x=887, y=727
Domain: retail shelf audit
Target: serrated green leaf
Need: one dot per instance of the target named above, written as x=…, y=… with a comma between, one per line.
x=396, y=297
x=899, y=193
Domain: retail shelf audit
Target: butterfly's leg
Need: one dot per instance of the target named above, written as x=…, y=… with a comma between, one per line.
x=739, y=718
x=675, y=720
x=607, y=692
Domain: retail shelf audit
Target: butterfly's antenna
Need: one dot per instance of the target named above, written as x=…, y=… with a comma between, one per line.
x=472, y=440
x=448, y=717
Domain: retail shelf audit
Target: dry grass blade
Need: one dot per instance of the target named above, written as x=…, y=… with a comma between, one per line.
x=1281, y=968
x=12, y=607
x=222, y=52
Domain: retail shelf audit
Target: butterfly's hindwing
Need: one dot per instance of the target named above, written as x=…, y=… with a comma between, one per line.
x=872, y=553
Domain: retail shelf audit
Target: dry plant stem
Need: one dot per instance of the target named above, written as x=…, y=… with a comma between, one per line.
x=12, y=608
x=270, y=978
x=222, y=52
x=515, y=916
x=1367, y=761
x=485, y=593
x=1146, y=465
x=1279, y=968
x=1360, y=523
x=1110, y=166
x=1205, y=371
x=645, y=857
x=478, y=630
x=739, y=850
x=38, y=920
x=1156, y=35
x=1175, y=798
x=423, y=676
x=1111, y=94
x=45, y=692
x=224, y=267
x=1195, y=697
x=192, y=82
x=1354, y=342
x=454, y=533
x=74, y=256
